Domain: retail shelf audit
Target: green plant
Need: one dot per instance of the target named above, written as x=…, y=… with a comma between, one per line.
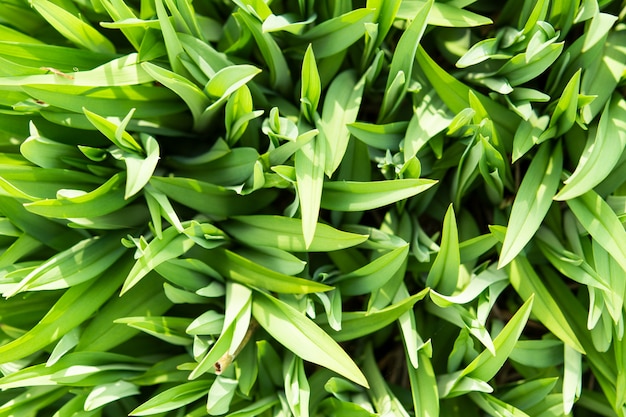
x=312, y=208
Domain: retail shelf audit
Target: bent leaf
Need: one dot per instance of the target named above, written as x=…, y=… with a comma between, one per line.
x=360, y=196
x=286, y=233
x=303, y=337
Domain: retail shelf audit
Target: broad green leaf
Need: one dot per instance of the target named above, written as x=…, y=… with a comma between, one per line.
x=372, y=276
x=602, y=152
x=76, y=305
x=102, y=333
x=172, y=43
x=597, y=217
x=444, y=14
x=519, y=69
x=286, y=233
x=528, y=284
x=120, y=12
x=105, y=199
x=297, y=389
x=82, y=262
x=114, y=101
x=355, y=324
x=81, y=368
x=171, y=245
x=125, y=70
x=139, y=169
x=387, y=136
x=478, y=284
x=424, y=387
x=402, y=61
x=45, y=152
x=107, y=393
x=495, y=406
x=173, y=398
x=311, y=88
x=113, y=132
x=169, y=329
x=444, y=273
x=605, y=72
x=73, y=28
x=533, y=201
x=188, y=91
x=227, y=80
x=337, y=34
x=564, y=114
x=272, y=54
x=233, y=266
x=572, y=378
x=341, y=107
x=429, y=119
x=238, y=113
x=486, y=365
x=257, y=408
x=310, y=165
x=286, y=22
x=455, y=94
x=360, y=196
x=303, y=337
x=209, y=198
x=220, y=395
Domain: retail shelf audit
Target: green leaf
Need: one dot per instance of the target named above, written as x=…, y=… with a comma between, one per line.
x=374, y=275
x=75, y=306
x=303, y=337
x=107, y=198
x=171, y=245
x=360, y=196
x=107, y=393
x=424, y=387
x=188, y=91
x=82, y=262
x=533, y=201
x=597, y=217
x=169, y=329
x=117, y=72
x=45, y=152
x=486, y=365
x=455, y=94
x=223, y=202
x=601, y=154
x=310, y=166
x=564, y=114
x=337, y=34
x=280, y=77
x=227, y=80
x=444, y=273
x=528, y=284
x=220, y=395
x=73, y=28
x=236, y=267
x=341, y=107
x=286, y=233
x=403, y=58
x=311, y=88
x=356, y=324
x=139, y=169
x=114, y=132
x=173, y=398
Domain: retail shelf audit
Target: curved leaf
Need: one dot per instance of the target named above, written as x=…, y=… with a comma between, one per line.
x=303, y=337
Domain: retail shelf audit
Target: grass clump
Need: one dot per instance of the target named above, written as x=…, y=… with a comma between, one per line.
x=312, y=208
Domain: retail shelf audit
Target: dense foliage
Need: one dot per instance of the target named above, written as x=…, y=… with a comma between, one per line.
x=312, y=208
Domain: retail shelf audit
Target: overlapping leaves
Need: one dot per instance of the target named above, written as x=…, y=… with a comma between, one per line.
x=284, y=208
